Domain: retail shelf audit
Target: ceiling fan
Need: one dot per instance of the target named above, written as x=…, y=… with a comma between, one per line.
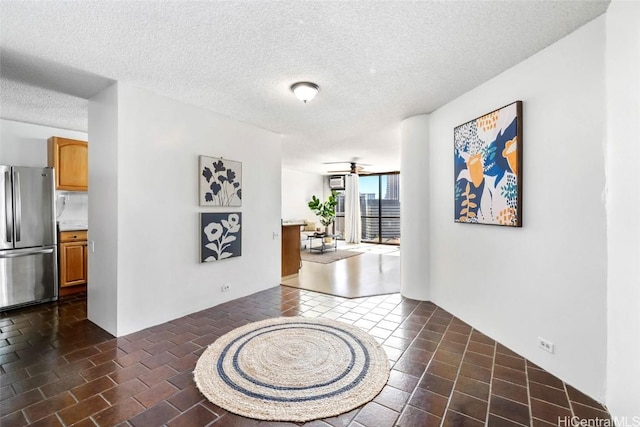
x=356, y=168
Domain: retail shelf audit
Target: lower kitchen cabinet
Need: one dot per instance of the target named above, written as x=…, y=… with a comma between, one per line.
x=73, y=261
x=290, y=249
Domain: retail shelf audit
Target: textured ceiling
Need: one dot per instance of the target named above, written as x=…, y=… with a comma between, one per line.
x=376, y=62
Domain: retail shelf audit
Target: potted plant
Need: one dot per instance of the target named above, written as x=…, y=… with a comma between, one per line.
x=326, y=212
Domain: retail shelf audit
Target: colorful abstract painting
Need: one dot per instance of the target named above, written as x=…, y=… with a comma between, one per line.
x=220, y=182
x=220, y=236
x=488, y=168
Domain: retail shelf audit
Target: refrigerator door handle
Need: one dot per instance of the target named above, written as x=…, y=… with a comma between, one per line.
x=8, y=207
x=26, y=252
x=18, y=205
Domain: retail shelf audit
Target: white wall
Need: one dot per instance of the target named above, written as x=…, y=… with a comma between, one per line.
x=623, y=181
x=415, y=280
x=102, y=295
x=547, y=279
x=25, y=144
x=159, y=276
x=297, y=189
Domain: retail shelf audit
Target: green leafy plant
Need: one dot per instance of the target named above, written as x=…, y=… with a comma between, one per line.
x=326, y=211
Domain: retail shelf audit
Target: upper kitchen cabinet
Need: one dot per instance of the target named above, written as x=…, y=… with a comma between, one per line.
x=70, y=158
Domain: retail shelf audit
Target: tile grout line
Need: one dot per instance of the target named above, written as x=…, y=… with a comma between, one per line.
x=391, y=367
x=446, y=409
x=59, y=418
x=554, y=404
x=493, y=368
x=507, y=419
x=24, y=414
x=526, y=376
x=515, y=401
x=413, y=392
x=564, y=385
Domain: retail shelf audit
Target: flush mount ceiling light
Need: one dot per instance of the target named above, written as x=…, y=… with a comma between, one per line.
x=305, y=91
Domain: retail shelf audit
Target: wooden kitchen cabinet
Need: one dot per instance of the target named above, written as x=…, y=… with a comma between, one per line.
x=290, y=249
x=70, y=158
x=73, y=261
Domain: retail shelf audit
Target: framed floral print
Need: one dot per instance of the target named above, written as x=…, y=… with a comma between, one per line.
x=220, y=235
x=488, y=168
x=220, y=182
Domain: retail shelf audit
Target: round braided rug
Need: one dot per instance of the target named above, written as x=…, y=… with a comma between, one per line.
x=292, y=369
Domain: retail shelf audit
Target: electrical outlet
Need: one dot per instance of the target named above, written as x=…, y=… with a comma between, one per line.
x=225, y=287
x=275, y=235
x=545, y=345
x=92, y=245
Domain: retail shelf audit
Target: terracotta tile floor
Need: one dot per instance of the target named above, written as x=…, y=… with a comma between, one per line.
x=57, y=368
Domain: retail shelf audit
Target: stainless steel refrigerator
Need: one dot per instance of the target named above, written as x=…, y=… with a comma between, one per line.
x=28, y=252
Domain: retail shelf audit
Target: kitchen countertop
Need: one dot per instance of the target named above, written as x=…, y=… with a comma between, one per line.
x=72, y=225
x=288, y=222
